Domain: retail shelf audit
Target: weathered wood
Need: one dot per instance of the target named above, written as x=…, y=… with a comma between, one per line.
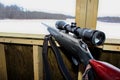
x=86, y=13
x=37, y=62
x=81, y=10
x=91, y=15
x=111, y=47
x=19, y=61
x=21, y=41
x=112, y=41
x=3, y=68
x=111, y=57
x=80, y=73
x=21, y=35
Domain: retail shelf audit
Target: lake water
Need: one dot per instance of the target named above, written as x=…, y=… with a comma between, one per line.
x=112, y=30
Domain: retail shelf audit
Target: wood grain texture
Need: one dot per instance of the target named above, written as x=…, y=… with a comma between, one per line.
x=37, y=62
x=19, y=60
x=86, y=13
x=3, y=68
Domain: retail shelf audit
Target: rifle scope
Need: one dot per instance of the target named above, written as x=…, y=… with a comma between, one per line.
x=93, y=37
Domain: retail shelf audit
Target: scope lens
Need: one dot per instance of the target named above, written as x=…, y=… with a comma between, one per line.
x=98, y=38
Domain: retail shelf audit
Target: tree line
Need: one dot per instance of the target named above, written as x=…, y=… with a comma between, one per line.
x=109, y=19
x=15, y=12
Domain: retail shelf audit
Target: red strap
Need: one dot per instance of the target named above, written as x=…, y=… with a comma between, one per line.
x=105, y=71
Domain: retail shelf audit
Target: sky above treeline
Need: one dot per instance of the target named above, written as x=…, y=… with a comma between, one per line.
x=109, y=8
x=52, y=6
x=105, y=8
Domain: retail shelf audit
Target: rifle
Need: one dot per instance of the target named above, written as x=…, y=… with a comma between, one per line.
x=77, y=45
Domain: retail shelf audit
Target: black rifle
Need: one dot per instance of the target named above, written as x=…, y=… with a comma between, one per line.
x=77, y=43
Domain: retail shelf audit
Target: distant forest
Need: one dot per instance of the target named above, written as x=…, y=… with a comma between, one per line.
x=109, y=19
x=15, y=12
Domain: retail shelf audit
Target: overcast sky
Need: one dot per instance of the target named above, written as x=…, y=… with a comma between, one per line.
x=54, y=6
x=109, y=8
x=106, y=7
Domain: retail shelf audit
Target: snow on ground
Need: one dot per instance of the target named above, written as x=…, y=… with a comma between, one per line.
x=112, y=30
x=26, y=26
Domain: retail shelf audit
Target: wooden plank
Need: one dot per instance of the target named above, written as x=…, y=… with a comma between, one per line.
x=91, y=15
x=21, y=35
x=3, y=70
x=112, y=41
x=86, y=13
x=111, y=47
x=21, y=41
x=81, y=12
x=40, y=41
x=79, y=73
x=19, y=60
x=38, y=63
